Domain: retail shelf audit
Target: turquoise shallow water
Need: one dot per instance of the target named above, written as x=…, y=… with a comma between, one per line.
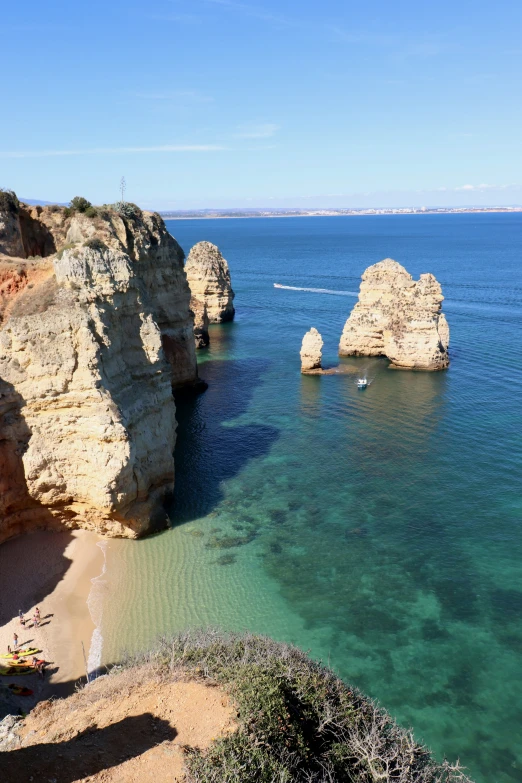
x=381, y=529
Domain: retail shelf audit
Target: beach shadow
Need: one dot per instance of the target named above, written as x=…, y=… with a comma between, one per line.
x=31, y=566
x=210, y=448
x=90, y=752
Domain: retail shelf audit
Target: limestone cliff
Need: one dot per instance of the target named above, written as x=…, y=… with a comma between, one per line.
x=209, y=280
x=201, y=336
x=399, y=318
x=311, y=351
x=92, y=339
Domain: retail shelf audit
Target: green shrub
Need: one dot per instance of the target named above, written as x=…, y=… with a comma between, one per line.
x=95, y=244
x=9, y=201
x=91, y=212
x=68, y=212
x=127, y=209
x=79, y=204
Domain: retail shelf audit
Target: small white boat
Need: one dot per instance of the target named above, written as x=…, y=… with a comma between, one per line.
x=277, y=285
x=362, y=383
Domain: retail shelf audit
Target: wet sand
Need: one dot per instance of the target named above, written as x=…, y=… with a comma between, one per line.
x=52, y=571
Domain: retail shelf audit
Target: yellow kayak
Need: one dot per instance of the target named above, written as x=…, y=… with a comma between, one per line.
x=21, y=653
x=14, y=671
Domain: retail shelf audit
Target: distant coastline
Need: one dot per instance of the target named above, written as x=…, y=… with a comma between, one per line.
x=214, y=214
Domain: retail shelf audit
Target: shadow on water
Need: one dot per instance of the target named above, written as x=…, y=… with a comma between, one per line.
x=210, y=448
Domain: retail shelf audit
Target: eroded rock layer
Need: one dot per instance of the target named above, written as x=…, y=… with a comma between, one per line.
x=201, y=336
x=208, y=276
x=92, y=339
x=399, y=318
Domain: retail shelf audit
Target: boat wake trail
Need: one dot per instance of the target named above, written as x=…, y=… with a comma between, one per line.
x=317, y=290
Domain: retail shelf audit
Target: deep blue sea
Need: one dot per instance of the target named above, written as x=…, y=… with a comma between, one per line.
x=380, y=530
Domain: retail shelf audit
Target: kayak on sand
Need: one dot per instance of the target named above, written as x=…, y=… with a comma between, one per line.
x=21, y=653
x=10, y=671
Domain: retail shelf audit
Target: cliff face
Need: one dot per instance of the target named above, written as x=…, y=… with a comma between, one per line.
x=399, y=318
x=209, y=280
x=92, y=339
x=201, y=337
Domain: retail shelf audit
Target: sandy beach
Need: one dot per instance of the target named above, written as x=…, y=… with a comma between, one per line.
x=52, y=571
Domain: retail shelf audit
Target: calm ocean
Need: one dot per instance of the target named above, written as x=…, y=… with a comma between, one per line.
x=380, y=530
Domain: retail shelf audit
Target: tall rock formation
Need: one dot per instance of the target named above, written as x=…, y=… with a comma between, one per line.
x=399, y=318
x=208, y=276
x=311, y=351
x=92, y=339
x=201, y=337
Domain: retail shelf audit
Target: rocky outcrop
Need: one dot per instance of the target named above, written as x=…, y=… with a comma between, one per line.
x=208, y=276
x=10, y=231
x=311, y=351
x=201, y=337
x=92, y=340
x=399, y=318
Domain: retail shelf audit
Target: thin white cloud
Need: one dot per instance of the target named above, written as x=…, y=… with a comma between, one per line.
x=483, y=187
x=349, y=36
x=262, y=131
x=113, y=151
x=257, y=12
x=194, y=96
x=182, y=18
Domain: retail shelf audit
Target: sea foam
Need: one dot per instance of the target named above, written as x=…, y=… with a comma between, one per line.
x=95, y=602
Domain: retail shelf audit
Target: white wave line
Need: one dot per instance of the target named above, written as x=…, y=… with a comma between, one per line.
x=319, y=290
x=95, y=604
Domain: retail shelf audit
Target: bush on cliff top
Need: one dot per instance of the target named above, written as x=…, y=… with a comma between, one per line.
x=298, y=722
x=80, y=204
x=126, y=209
x=8, y=201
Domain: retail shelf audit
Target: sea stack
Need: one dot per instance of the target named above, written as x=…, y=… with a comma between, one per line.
x=399, y=318
x=94, y=334
x=208, y=276
x=311, y=352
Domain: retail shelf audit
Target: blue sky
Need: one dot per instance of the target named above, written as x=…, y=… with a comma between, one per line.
x=224, y=103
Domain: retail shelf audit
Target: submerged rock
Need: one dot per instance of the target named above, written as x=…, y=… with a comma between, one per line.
x=208, y=276
x=399, y=318
x=311, y=351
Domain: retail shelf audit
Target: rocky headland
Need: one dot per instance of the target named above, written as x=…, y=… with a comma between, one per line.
x=95, y=331
x=205, y=707
x=208, y=276
x=399, y=318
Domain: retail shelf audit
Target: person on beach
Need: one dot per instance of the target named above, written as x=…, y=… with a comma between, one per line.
x=37, y=614
x=36, y=621
x=21, y=616
x=15, y=641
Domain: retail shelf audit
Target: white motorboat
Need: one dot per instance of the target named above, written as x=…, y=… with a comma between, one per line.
x=362, y=383
x=277, y=285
